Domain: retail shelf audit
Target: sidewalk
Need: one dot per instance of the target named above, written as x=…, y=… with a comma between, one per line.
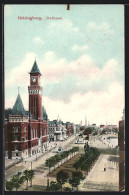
x=100, y=180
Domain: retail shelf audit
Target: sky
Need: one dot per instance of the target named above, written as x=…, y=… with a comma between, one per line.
x=80, y=56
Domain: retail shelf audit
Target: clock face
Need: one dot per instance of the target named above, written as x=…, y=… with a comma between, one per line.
x=34, y=80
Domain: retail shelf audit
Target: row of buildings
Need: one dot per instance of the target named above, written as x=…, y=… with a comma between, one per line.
x=29, y=132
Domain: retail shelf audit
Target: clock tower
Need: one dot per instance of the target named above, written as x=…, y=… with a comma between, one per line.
x=35, y=93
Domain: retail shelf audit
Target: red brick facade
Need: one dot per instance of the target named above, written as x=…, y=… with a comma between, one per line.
x=27, y=133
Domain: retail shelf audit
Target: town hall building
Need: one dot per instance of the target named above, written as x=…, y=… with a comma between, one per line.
x=26, y=132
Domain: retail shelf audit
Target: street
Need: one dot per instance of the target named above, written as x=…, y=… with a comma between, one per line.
x=97, y=179
x=32, y=163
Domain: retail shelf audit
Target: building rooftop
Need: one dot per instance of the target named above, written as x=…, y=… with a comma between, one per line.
x=35, y=68
x=18, y=108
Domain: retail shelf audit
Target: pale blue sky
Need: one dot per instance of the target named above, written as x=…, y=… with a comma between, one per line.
x=82, y=53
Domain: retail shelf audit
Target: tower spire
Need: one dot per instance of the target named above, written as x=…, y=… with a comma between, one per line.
x=35, y=68
x=18, y=90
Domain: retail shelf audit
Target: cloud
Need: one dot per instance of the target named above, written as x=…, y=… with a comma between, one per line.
x=64, y=26
x=70, y=89
x=79, y=85
x=62, y=33
x=49, y=56
x=62, y=79
x=100, y=34
x=110, y=69
x=84, y=66
x=61, y=90
x=79, y=48
x=102, y=28
x=38, y=40
x=99, y=106
x=19, y=74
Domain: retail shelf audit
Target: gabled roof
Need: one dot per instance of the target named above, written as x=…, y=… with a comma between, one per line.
x=35, y=68
x=18, y=108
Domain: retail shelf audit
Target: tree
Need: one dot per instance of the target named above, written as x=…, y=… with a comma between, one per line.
x=76, y=165
x=27, y=177
x=15, y=182
x=74, y=182
x=85, y=166
x=88, y=130
x=54, y=187
x=58, y=158
x=22, y=179
x=67, y=189
x=31, y=176
x=76, y=178
x=78, y=174
x=9, y=185
x=51, y=162
x=62, y=177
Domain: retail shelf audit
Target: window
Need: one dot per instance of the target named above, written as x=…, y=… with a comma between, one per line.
x=17, y=154
x=25, y=129
x=15, y=137
x=16, y=129
x=22, y=139
x=16, y=147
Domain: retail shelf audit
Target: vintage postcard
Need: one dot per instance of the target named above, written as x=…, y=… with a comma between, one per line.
x=64, y=106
